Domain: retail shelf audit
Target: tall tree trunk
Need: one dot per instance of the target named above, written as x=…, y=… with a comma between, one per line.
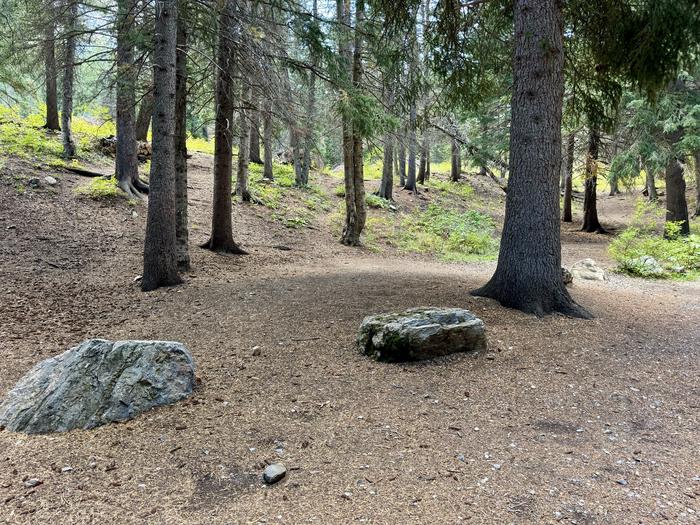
x=254, y=146
x=402, y=159
x=143, y=119
x=697, y=183
x=221, y=239
x=411, y=175
x=71, y=13
x=242, y=190
x=309, y=135
x=267, y=139
x=126, y=158
x=427, y=162
x=456, y=158
x=421, y=165
x=569, y=174
x=528, y=275
x=50, y=73
x=354, y=193
x=160, y=251
x=590, y=208
x=651, y=185
x=386, y=186
x=181, y=228
x=676, y=204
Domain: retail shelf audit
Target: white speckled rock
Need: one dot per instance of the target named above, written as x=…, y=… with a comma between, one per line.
x=98, y=382
x=421, y=333
x=588, y=269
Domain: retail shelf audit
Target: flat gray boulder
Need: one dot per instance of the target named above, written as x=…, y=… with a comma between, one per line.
x=98, y=382
x=421, y=333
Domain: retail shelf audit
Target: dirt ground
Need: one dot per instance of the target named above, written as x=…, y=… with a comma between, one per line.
x=561, y=421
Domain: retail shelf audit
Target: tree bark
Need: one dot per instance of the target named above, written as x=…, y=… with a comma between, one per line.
x=422, y=163
x=651, y=185
x=126, y=158
x=254, y=146
x=590, y=208
x=309, y=135
x=181, y=227
x=402, y=159
x=676, y=204
x=569, y=177
x=50, y=73
x=71, y=13
x=697, y=183
x=267, y=139
x=355, y=207
x=143, y=120
x=456, y=164
x=242, y=190
x=411, y=175
x=528, y=275
x=160, y=251
x=386, y=187
x=221, y=239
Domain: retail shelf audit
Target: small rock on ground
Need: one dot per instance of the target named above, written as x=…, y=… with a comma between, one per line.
x=274, y=473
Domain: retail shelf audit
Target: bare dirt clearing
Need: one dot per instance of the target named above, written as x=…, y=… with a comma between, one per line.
x=561, y=420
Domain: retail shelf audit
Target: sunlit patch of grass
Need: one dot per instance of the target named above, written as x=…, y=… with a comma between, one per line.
x=460, y=189
x=200, y=145
x=100, y=188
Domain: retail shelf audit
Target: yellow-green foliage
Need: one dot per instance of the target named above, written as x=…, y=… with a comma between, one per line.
x=678, y=257
x=339, y=191
x=451, y=235
x=24, y=136
x=100, y=188
x=374, y=201
x=200, y=145
x=459, y=189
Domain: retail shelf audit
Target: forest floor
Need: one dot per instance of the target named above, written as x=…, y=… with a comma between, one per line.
x=561, y=420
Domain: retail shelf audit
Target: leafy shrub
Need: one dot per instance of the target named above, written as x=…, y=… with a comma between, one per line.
x=676, y=255
x=339, y=191
x=374, y=201
x=459, y=189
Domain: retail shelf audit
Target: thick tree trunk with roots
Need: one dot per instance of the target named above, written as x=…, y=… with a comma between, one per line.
x=50, y=72
x=242, y=190
x=143, y=119
x=221, y=239
x=267, y=139
x=181, y=228
x=676, y=203
x=126, y=158
x=160, y=251
x=569, y=177
x=71, y=13
x=590, y=207
x=456, y=158
x=528, y=275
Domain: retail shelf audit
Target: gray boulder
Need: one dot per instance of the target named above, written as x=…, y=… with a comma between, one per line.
x=588, y=269
x=421, y=333
x=98, y=382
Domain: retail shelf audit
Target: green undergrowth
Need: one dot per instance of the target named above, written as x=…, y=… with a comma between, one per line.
x=651, y=249
x=451, y=235
x=101, y=189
